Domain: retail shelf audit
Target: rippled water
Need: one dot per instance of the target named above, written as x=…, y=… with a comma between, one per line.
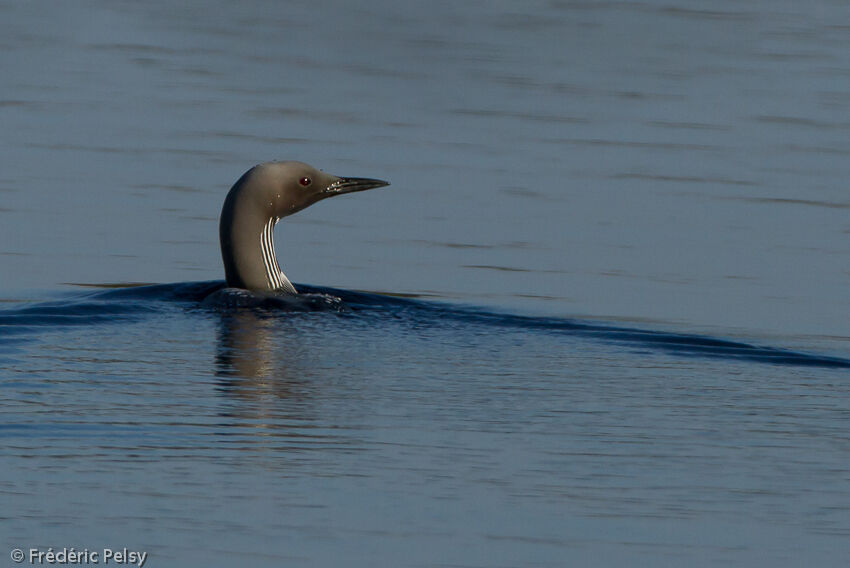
x=611, y=322
x=144, y=417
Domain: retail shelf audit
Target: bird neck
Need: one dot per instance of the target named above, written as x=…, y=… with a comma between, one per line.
x=247, y=249
x=275, y=277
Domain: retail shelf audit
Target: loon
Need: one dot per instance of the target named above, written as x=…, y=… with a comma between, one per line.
x=257, y=201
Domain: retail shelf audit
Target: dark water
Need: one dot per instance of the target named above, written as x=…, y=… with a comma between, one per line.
x=612, y=322
x=357, y=431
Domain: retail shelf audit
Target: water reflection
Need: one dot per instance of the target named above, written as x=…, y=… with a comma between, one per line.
x=245, y=345
x=254, y=341
x=264, y=377
x=261, y=367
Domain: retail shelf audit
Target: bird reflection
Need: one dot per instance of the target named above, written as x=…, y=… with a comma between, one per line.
x=244, y=345
x=267, y=375
x=259, y=368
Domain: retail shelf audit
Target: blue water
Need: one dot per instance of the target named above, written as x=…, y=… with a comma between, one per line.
x=374, y=425
x=131, y=303
x=599, y=317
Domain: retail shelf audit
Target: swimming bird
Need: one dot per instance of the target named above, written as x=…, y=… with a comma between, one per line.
x=257, y=201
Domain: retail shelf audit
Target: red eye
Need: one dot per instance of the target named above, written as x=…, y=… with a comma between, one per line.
x=305, y=181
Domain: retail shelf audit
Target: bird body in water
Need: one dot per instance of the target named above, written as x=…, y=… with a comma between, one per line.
x=257, y=201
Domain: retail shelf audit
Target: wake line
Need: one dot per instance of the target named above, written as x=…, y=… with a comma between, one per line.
x=116, y=305
x=674, y=343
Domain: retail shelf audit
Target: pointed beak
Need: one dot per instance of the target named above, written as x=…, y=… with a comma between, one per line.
x=350, y=185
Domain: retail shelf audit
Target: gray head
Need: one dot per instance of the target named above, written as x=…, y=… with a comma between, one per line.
x=261, y=197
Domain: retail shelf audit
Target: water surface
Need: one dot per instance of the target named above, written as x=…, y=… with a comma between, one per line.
x=622, y=227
